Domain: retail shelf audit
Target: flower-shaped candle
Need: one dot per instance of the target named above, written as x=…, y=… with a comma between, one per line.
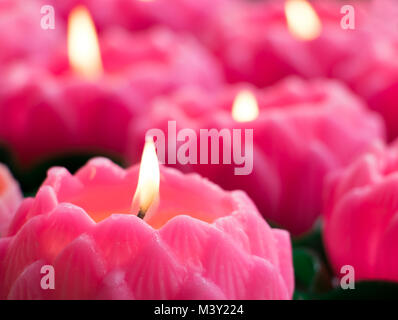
x=361, y=211
x=264, y=41
x=86, y=102
x=301, y=132
x=10, y=198
x=182, y=248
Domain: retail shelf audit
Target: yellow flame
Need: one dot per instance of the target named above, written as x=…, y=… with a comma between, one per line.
x=302, y=20
x=83, y=47
x=245, y=107
x=148, y=178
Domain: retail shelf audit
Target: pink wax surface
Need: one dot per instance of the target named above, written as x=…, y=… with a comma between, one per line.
x=361, y=225
x=49, y=110
x=373, y=72
x=10, y=198
x=181, y=15
x=297, y=141
x=21, y=36
x=187, y=248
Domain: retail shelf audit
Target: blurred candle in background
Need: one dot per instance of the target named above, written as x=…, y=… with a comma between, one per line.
x=361, y=225
x=280, y=38
x=298, y=131
x=71, y=105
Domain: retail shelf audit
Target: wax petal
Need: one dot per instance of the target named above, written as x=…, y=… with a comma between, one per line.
x=20, y=216
x=28, y=284
x=155, y=273
x=262, y=242
x=62, y=226
x=266, y=282
x=114, y=287
x=187, y=237
x=231, y=226
x=99, y=171
x=79, y=269
x=63, y=183
x=284, y=249
x=227, y=266
x=196, y=287
x=23, y=250
x=45, y=201
x=120, y=238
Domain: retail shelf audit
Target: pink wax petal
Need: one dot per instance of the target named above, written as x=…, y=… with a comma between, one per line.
x=114, y=287
x=65, y=223
x=45, y=201
x=232, y=227
x=227, y=266
x=64, y=184
x=285, y=255
x=196, y=287
x=120, y=238
x=100, y=171
x=79, y=270
x=266, y=282
x=23, y=250
x=261, y=238
x=187, y=237
x=155, y=273
x=27, y=286
x=21, y=216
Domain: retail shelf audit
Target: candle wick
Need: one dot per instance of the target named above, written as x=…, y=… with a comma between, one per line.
x=141, y=213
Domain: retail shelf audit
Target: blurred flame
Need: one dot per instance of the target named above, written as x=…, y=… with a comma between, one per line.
x=302, y=20
x=148, y=179
x=83, y=47
x=245, y=107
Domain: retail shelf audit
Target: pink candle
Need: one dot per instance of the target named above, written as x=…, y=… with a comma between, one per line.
x=361, y=227
x=183, y=247
x=50, y=112
x=256, y=44
x=10, y=198
x=297, y=140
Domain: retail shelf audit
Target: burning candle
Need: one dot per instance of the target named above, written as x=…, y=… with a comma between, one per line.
x=260, y=50
x=298, y=127
x=84, y=102
x=10, y=198
x=183, y=248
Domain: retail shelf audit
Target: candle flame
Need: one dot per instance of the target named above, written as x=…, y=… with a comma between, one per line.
x=245, y=107
x=83, y=47
x=148, y=179
x=302, y=20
